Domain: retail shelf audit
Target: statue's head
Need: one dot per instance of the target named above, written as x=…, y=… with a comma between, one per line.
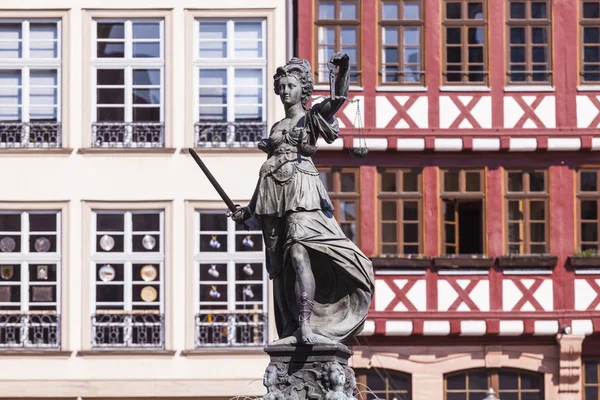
x=297, y=75
x=273, y=373
x=336, y=376
x=350, y=385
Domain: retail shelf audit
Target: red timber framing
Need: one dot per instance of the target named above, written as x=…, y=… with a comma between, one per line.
x=529, y=125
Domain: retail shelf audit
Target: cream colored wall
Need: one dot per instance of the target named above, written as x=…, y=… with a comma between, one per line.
x=169, y=177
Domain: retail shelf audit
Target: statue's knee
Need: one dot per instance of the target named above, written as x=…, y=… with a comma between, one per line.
x=298, y=256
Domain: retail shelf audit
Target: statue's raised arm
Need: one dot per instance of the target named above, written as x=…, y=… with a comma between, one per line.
x=339, y=90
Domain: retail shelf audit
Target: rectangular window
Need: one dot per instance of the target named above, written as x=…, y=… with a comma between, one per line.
x=529, y=37
x=230, y=66
x=229, y=268
x=401, y=27
x=128, y=83
x=338, y=28
x=589, y=37
x=588, y=201
x=30, y=275
x=527, y=215
x=342, y=187
x=127, y=269
x=400, y=213
x=463, y=196
x=465, y=58
x=591, y=381
x=30, y=70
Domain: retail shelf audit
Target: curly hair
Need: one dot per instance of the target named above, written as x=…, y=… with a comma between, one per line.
x=299, y=69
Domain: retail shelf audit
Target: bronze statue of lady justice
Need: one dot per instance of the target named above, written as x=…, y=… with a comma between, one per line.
x=323, y=283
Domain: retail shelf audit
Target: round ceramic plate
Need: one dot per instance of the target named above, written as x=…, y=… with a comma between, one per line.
x=148, y=294
x=148, y=273
x=148, y=242
x=7, y=244
x=42, y=245
x=107, y=243
x=106, y=273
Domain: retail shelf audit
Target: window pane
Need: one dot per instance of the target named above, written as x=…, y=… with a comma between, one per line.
x=589, y=209
x=451, y=181
x=456, y=382
x=539, y=54
x=449, y=210
x=456, y=396
x=537, y=210
x=411, y=211
x=530, y=382
x=515, y=181
x=591, y=392
x=213, y=222
x=348, y=35
x=327, y=179
x=411, y=233
x=508, y=380
x=146, y=77
x=146, y=30
x=388, y=182
x=591, y=372
x=388, y=211
x=110, y=77
x=326, y=10
x=591, y=35
x=213, y=113
x=210, y=95
x=390, y=10
x=410, y=181
x=591, y=54
x=146, y=50
x=110, y=114
x=348, y=210
x=348, y=182
x=591, y=10
x=539, y=36
x=110, y=96
x=538, y=232
x=390, y=55
x=537, y=182
x=213, y=30
x=514, y=233
x=478, y=380
x=475, y=54
x=111, y=30
x=538, y=10
x=515, y=212
x=473, y=181
x=390, y=36
x=454, y=54
x=453, y=36
x=248, y=77
x=517, y=10
x=453, y=10
x=10, y=95
x=411, y=10
x=146, y=114
x=111, y=50
x=248, y=42
x=213, y=77
x=588, y=181
x=475, y=35
x=450, y=232
x=517, y=35
x=589, y=232
x=475, y=11
x=349, y=10
x=411, y=36
x=146, y=96
x=517, y=54
x=389, y=232
x=213, y=49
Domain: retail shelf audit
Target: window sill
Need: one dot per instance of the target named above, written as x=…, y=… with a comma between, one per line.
x=463, y=261
x=530, y=88
x=401, y=262
x=208, y=150
x=584, y=262
x=465, y=88
x=34, y=353
x=38, y=151
x=588, y=88
x=222, y=350
x=353, y=88
x=127, y=150
x=400, y=88
x=527, y=260
x=126, y=352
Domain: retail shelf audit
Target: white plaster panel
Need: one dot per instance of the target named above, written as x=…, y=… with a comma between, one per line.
x=564, y=144
x=375, y=144
x=351, y=109
x=448, y=144
x=481, y=295
x=448, y=111
x=410, y=144
x=446, y=295
x=586, y=112
x=473, y=328
x=398, y=328
x=511, y=328
x=436, y=328
x=368, y=329
x=383, y=295
x=385, y=111
x=584, y=295
x=546, y=111
x=544, y=295
x=417, y=295
x=595, y=143
x=482, y=112
x=522, y=144
x=337, y=144
x=419, y=112
x=510, y=295
x=486, y=144
x=545, y=328
x=583, y=327
x=512, y=112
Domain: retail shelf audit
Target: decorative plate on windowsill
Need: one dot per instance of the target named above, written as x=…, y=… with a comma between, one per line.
x=401, y=262
x=463, y=261
x=584, y=261
x=527, y=260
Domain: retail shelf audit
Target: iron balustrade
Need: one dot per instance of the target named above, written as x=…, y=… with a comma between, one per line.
x=30, y=134
x=128, y=134
x=114, y=329
x=223, y=328
x=229, y=134
x=29, y=330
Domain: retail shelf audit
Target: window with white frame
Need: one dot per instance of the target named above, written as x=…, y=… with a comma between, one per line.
x=229, y=267
x=127, y=269
x=30, y=70
x=230, y=76
x=128, y=63
x=30, y=274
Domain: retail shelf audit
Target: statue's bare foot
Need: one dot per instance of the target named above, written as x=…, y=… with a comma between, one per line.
x=289, y=330
x=306, y=335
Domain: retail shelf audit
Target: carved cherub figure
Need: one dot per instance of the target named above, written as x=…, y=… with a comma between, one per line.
x=337, y=380
x=274, y=374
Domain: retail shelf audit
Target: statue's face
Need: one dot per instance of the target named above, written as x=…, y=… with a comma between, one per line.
x=290, y=90
x=270, y=376
x=337, y=376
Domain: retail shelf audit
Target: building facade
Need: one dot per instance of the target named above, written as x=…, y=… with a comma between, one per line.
x=120, y=275
x=478, y=200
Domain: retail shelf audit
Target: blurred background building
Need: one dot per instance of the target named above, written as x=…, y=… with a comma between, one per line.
x=121, y=277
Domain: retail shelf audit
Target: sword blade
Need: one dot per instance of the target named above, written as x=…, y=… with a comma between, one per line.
x=213, y=181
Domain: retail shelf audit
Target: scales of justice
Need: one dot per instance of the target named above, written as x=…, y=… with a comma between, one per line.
x=322, y=282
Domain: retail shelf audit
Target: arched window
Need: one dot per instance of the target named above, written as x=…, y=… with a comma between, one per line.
x=591, y=383
x=384, y=384
x=509, y=384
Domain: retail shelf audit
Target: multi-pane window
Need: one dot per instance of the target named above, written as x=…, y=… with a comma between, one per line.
x=337, y=27
x=30, y=275
x=401, y=24
x=231, y=282
x=589, y=37
x=526, y=210
x=465, y=42
x=230, y=78
x=463, y=208
x=342, y=187
x=591, y=381
x=529, y=46
x=128, y=62
x=127, y=269
x=400, y=211
x=30, y=70
x=383, y=384
x=588, y=202
x=508, y=384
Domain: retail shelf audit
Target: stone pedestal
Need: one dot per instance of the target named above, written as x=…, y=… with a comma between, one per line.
x=318, y=372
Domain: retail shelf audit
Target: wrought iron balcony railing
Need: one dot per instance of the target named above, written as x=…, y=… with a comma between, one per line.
x=229, y=134
x=221, y=328
x=128, y=134
x=30, y=134
x=128, y=329
x=29, y=330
